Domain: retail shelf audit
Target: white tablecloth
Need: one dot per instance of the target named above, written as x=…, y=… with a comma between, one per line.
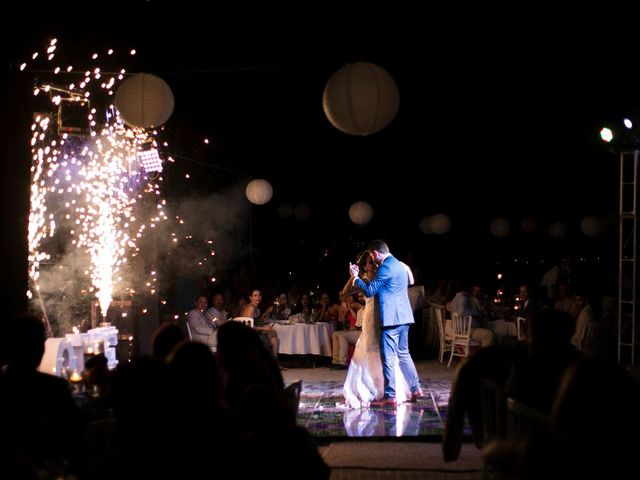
x=503, y=328
x=303, y=339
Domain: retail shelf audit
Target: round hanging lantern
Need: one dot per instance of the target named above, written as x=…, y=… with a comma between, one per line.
x=360, y=99
x=440, y=223
x=360, y=213
x=259, y=191
x=144, y=101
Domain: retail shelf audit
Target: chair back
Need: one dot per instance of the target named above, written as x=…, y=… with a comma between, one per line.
x=462, y=342
x=445, y=338
x=461, y=325
x=590, y=340
x=186, y=323
x=248, y=321
x=292, y=398
x=521, y=324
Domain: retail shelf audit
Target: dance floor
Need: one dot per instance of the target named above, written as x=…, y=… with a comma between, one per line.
x=323, y=413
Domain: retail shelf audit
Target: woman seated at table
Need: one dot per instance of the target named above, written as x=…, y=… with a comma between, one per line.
x=351, y=304
x=323, y=311
x=261, y=322
x=304, y=308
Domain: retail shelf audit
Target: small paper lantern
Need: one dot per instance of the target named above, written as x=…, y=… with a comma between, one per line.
x=144, y=101
x=361, y=213
x=360, y=99
x=558, y=230
x=302, y=211
x=259, y=191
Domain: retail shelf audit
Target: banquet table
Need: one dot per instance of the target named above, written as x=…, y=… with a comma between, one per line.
x=305, y=338
x=503, y=328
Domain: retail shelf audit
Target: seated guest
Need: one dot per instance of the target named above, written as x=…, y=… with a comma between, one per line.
x=165, y=338
x=564, y=300
x=479, y=303
x=37, y=411
x=281, y=308
x=217, y=313
x=304, y=308
x=465, y=401
x=462, y=305
x=351, y=332
x=585, y=316
x=202, y=327
x=336, y=314
x=250, y=376
x=253, y=385
x=267, y=334
x=526, y=305
x=322, y=311
x=535, y=377
x=238, y=306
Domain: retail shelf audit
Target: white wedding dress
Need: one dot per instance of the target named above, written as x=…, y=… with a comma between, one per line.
x=365, y=381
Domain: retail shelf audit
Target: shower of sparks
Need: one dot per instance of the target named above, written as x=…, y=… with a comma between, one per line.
x=86, y=188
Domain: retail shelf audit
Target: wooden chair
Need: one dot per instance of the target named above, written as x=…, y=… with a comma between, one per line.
x=186, y=323
x=591, y=338
x=446, y=339
x=248, y=321
x=521, y=324
x=462, y=342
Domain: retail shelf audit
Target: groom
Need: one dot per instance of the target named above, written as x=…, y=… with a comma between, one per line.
x=390, y=287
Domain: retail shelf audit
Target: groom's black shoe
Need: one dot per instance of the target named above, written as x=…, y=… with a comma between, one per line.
x=385, y=402
x=338, y=366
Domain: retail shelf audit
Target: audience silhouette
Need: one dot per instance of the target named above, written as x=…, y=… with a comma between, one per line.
x=39, y=420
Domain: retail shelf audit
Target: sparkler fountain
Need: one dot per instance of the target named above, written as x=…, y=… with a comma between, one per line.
x=84, y=190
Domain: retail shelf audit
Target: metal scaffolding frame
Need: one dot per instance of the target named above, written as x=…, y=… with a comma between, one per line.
x=628, y=323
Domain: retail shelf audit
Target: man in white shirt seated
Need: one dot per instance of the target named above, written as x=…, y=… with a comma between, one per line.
x=202, y=328
x=584, y=317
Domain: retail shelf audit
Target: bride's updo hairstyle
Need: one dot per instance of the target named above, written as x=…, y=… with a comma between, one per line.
x=362, y=260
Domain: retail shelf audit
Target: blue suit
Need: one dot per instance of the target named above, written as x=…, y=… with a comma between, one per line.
x=390, y=287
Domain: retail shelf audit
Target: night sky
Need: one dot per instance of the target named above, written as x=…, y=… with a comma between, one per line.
x=496, y=119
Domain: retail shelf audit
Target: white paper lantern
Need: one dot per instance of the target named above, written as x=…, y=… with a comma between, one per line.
x=558, y=230
x=302, y=211
x=361, y=213
x=144, y=101
x=592, y=226
x=440, y=223
x=500, y=227
x=259, y=191
x=360, y=99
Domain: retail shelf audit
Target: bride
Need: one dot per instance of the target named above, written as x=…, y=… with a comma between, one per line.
x=365, y=381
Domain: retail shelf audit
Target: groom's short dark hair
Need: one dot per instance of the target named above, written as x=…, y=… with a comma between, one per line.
x=378, y=245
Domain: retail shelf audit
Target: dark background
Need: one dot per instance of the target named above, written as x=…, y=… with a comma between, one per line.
x=499, y=117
